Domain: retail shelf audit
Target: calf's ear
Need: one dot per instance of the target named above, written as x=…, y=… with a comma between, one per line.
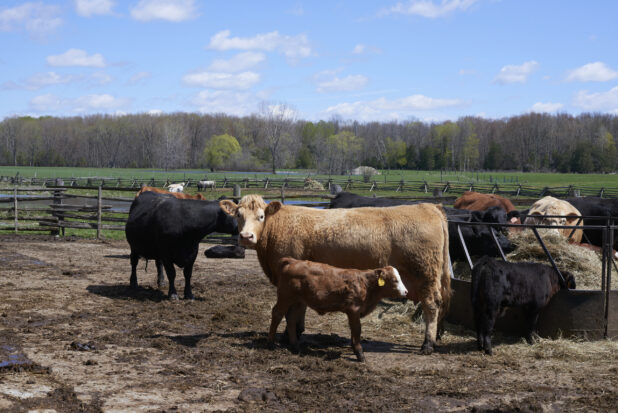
x=229, y=207
x=380, y=273
x=273, y=207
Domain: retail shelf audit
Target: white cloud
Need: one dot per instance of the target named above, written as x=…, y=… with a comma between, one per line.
x=215, y=80
x=290, y=46
x=38, y=81
x=360, y=49
x=223, y=101
x=390, y=109
x=592, y=72
x=516, y=73
x=548, y=107
x=171, y=10
x=36, y=18
x=601, y=101
x=90, y=103
x=346, y=84
x=88, y=8
x=238, y=63
x=427, y=8
x=139, y=78
x=76, y=57
x=100, y=78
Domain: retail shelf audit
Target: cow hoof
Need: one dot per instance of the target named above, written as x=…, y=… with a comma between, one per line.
x=426, y=349
x=190, y=297
x=174, y=297
x=489, y=351
x=270, y=345
x=360, y=358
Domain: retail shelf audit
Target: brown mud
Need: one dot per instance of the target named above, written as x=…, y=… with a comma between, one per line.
x=74, y=337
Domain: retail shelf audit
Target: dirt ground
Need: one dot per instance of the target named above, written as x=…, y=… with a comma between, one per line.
x=74, y=337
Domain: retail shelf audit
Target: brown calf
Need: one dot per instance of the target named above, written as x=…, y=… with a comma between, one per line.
x=179, y=195
x=328, y=289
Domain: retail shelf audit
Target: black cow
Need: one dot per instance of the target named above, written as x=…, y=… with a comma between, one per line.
x=478, y=238
x=599, y=207
x=497, y=285
x=168, y=230
x=225, y=251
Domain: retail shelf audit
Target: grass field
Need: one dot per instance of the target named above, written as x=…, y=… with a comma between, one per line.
x=528, y=178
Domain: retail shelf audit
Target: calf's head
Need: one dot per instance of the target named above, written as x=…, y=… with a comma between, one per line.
x=569, y=281
x=251, y=213
x=390, y=280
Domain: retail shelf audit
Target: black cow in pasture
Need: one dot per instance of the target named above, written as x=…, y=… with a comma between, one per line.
x=599, y=207
x=169, y=230
x=225, y=251
x=497, y=285
x=478, y=238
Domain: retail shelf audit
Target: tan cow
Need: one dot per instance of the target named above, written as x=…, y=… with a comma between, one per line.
x=553, y=206
x=411, y=238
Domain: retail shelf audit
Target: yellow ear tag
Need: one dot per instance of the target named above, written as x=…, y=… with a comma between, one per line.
x=381, y=281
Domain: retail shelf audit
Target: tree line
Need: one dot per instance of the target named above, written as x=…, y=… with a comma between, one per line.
x=274, y=138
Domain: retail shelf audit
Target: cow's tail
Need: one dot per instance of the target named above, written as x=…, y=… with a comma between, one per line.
x=445, y=281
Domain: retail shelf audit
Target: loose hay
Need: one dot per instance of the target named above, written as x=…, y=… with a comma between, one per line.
x=583, y=263
x=313, y=185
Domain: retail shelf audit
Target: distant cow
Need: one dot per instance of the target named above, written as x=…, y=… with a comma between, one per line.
x=476, y=201
x=553, y=206
x=597, y=207
x=411, y=238
x=176, y=187
x=335, y=189
x=328, y=289
x=478, y=238
x=497, y=284
x=169, y=230
x=179, y=195
x=201, y=185
x=225, y=251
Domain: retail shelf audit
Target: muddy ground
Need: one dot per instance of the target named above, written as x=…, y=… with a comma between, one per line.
x=74, y=337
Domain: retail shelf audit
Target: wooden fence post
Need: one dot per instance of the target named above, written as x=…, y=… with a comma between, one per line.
x=15, y=207
x=99, y=207
x=283, y=193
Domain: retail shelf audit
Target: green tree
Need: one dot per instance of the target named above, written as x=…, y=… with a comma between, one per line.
x=220, y=150
x=395, y=153
x=471, y=152
x=608, y=154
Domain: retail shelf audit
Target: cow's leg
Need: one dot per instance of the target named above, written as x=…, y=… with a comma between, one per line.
x=295, y=315
x=431, y=311
x=188, y=271
x=355, y=327
x=134, y=261
x=160, y=279
x=488, y=320
x=278, y=312
x=477, y=326
x=171, y=277
x=532, y=317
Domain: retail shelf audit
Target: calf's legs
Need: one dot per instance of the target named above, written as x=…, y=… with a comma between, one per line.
x=134, y=261
x=355, y=327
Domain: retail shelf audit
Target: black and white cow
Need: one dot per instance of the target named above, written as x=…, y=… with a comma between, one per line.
x=478, y=238
x=497, y=285
x=169, y=230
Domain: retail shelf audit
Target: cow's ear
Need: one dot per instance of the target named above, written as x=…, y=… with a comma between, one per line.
x=273, y=207
x=229, y=207
x=380, y=273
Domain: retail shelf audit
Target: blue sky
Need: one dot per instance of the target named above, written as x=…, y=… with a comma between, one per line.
x=360, y=60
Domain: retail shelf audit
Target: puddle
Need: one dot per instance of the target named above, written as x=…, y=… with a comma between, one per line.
x=16, y=259
x=12, y=359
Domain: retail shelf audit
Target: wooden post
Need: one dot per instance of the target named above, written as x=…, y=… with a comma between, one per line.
x=99, y=207
x=15, y=207
x=59, y=216
x=283, y=193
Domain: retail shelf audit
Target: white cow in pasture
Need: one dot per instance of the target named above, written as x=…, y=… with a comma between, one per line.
x=176, y=187
x=206, y=184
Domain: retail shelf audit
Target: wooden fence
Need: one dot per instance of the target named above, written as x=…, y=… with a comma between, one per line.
x=351, y=183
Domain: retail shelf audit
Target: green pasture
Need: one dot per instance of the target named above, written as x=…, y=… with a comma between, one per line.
x=524, y=178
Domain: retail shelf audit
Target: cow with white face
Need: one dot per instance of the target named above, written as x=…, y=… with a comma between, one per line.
x=411, y=238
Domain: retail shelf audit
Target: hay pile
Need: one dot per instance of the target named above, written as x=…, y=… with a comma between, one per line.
x=313, y=185
x=583, y=263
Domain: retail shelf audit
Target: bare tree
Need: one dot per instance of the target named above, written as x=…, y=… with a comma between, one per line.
x=278, y=119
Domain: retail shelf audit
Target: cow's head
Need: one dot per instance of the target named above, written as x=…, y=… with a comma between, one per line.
x=251, y=213
x=390, y=280
x=569, y=281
